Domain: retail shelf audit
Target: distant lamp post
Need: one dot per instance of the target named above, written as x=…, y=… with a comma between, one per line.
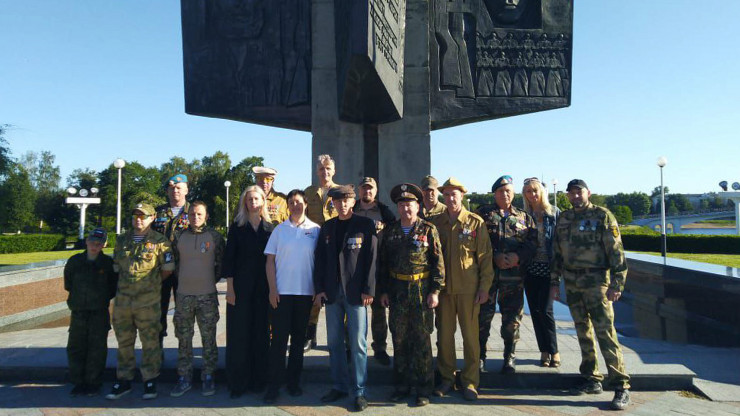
x=227, y=184
x=554, y=192
x=662, y=161
x=82, y=201
x=118, y=164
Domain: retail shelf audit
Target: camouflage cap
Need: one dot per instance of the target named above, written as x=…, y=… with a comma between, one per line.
x=262, y=170
x=99, y=234
x=579, y=183
x=406, y=192
x=429, y=182
x=502, y=181
x=342, y=192
x=144, y=208
x=175, y=179
x=452, y=182
x=369, y=181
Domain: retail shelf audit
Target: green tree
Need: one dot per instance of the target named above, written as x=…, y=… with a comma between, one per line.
x=5, y=160
x=597, y=199
x=241, y=177
x=19, y=198
x=623, y=214
x=683, y=204
x=563, y=202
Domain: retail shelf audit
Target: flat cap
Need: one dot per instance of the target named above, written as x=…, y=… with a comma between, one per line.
x=342, y=192
x=262, y=170
x=175, y=179
x=406, y=192
x=369, y=181
x=502, y=181
x=144, y=208
x=429, y=182
x=453, y=183
x=578, y=183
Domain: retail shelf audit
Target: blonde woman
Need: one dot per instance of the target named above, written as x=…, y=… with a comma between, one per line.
x=247, y=331
x=537, y=275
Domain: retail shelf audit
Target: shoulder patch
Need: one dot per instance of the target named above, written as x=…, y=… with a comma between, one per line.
x=615, y=231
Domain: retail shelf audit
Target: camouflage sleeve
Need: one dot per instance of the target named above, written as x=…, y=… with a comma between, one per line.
x=166, y=257
x=528, y=247
x=218, y=239
x=612, y=241
x=485, y=257
x=117, y=253
x=436, y=260
x=556, y=265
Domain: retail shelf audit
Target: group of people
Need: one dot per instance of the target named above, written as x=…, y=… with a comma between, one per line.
x=436, y=265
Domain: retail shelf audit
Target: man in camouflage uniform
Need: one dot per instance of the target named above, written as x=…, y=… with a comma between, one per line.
x=91, y=282
x=319, y=209
x=411, y=277
x=468, y=261
x=513, y=236
x=369, y=206
x=277, y=205
x=143, y=258
x=431, y=205
x=588, y=254
x=171, y=218
x=199, y=250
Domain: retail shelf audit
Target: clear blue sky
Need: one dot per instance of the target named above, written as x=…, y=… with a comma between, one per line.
x=93, y=80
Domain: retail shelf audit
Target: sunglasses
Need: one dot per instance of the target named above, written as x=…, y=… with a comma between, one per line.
x=529, y=180
x=139, y=216
x=268, y=179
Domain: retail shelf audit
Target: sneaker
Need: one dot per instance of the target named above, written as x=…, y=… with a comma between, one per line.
x=360, y=403
x=150, y=390
x=120, y=388
x=78, y=390
x=382, y=357
x=588, y=387
x=182, y=386
x=621, y=399
x=209, y=386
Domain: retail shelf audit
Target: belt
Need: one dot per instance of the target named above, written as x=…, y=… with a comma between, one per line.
x=586, y=270
x=410, y=277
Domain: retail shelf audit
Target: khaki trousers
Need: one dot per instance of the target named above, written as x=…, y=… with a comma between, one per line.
x=451, y=310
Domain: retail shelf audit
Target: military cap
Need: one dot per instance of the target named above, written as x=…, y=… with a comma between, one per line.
x=368, y=181
x=144, y=208
x=429, y=182
x=342, y=191
x=179, y=178
x=406, y=192
x=261, y=170
x=502, y=181
x=579, y=183
x=453, y=183
x=99, y=234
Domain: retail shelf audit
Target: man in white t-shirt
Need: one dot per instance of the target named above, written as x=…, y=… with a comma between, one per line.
x=289, y=267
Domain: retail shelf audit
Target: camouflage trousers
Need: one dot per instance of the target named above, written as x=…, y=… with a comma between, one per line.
x=87, y=346
x=379, y=327
x=411, y=323
x=593, y=315
x=126, y=321
x=188, y=309
x=510, y=297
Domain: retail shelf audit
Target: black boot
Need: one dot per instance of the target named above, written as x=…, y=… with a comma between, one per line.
x=310, y=338
x=509, y=366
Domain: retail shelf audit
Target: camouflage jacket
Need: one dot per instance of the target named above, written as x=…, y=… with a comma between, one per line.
x=418, y=252
x=139, y=267
x=436, y=210
x=166, y=223
x=586, y=246
x=515, y=233
x=277, y=207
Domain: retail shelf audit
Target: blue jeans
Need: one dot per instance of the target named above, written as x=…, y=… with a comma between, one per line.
x=356, y=324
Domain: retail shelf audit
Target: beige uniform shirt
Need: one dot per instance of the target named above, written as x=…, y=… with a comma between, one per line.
x=277, y=207
x=468, y=255
x=320, y=208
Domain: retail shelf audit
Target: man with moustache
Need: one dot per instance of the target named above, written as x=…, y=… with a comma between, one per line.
x=431, y=205
x=277, y=205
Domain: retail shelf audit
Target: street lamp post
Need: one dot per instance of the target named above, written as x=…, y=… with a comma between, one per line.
x=554, y=193
x=662, y=161
x=227, y=184
x=119, y=164
x=82, y=202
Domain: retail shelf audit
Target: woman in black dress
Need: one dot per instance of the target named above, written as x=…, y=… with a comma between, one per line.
x=247, y=330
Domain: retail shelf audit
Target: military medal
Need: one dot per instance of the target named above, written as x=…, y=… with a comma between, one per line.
x=203, y=247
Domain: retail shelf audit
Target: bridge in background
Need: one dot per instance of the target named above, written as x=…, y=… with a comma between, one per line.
x=675, y=222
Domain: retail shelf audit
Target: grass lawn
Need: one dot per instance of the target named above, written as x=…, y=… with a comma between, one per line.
x=25, y=258
x=730, y=260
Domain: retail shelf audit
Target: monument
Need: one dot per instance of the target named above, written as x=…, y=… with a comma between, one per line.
x=370, y=79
